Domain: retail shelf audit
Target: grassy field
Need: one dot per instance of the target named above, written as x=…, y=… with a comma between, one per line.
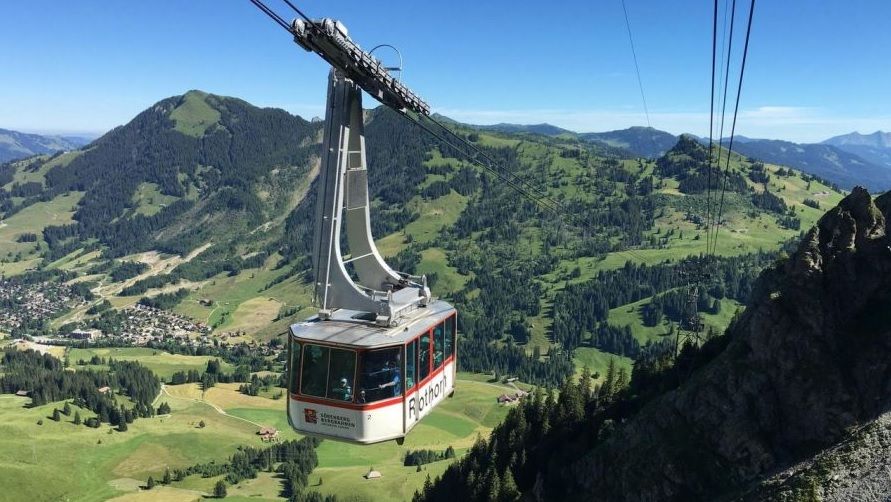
x=61, y=461
x=194, y=116
x=162, y=363
x=597, y=362
x=148, y=199
x=434, y=214
x=241, y=302
x=27, y=174
x=33, y=219
x=630, y=315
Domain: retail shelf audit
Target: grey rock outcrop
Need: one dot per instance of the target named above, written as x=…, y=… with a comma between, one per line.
x=807, y=362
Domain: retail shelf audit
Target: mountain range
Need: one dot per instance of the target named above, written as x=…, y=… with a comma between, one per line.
x=17, y=145
x=875, y=147
x=215, y=197
x=227, y=186
x=847, y=161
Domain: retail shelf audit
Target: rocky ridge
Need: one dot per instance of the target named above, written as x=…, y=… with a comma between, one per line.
x=808, y=362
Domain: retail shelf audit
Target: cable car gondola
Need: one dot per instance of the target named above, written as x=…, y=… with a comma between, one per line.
x=381, y=353
x=362, y=382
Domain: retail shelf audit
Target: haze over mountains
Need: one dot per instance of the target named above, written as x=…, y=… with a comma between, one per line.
x=848, y=160
x=875, y=147
x=18, y=145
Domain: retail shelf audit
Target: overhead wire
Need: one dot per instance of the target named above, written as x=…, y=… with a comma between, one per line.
x=735, y=114
x=299, y=12
x=272, y=15
x=711, y=129
x=726, y=81
x=636, y=66
x=543, y=201
x=527, y=190
x=715, y=150
x=480, y=152
x=472, y=152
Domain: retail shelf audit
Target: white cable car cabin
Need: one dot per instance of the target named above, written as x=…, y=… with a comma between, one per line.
x=366, y=383
x=381, y=353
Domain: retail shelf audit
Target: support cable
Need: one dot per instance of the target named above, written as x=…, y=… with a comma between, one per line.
x=735, y=113
x=492, y=162
x=272, y=15
x=636, y=67
x=299, y=12
x=722, y=176
x=711, y=128
x=472, y=152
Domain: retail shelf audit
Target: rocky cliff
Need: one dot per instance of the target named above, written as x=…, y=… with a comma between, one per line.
x=808, y=362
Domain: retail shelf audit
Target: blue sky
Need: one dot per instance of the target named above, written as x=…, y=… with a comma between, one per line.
x=815, y=68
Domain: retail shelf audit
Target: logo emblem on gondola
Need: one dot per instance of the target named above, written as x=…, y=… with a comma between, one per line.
x=310, y=416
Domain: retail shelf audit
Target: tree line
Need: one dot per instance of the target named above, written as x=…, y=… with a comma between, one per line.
x=526, y=455
x=294, y=460
x=45, y=380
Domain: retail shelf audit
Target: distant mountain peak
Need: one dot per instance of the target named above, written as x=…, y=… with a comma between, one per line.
x=878, y=139
x=194, y=115
x=18, y=145
x=543, y=128
x=640, y=140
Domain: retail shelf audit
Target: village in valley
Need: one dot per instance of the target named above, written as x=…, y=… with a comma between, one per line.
x=24, y=304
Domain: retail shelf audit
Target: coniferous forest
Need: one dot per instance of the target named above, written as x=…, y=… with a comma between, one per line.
x=45, y=380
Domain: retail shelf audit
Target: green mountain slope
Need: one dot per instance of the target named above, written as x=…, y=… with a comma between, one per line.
x=644, y=141
x=215, y=197
x=805, y=367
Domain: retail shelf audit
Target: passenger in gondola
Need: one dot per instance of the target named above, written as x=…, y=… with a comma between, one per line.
x=395, y=378
x=344, y=391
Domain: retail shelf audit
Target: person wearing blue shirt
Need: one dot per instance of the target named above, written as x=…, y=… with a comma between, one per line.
x=395, y=380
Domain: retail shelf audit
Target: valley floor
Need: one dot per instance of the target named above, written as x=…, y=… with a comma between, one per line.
x=58, y=460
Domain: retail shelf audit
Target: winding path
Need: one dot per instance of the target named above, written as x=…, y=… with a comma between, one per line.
x=202, y=401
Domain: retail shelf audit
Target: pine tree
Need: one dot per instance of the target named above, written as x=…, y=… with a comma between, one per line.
x=76, y=418
x=428, y=485
x=492, y=484
x=166, y=479
x=122, y=427
x=622, y=380
x=585, y=383
x=219, y=489
x=509, y=491
x=150, y=483
x=56, y=415
x=607, y=388
x=66, y=410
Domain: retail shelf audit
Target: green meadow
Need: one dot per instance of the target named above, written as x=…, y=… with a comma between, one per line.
x=161, y=363
x=61, y=461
